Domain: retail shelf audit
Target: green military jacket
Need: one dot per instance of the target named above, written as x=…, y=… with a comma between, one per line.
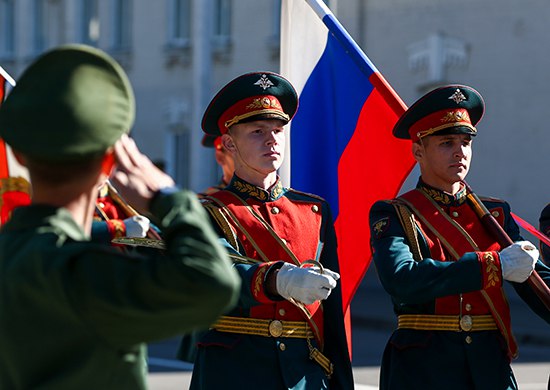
x=75, y=314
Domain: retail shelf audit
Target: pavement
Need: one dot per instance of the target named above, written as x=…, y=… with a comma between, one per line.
x=371, y=308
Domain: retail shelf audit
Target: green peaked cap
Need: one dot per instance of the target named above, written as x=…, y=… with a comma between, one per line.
x=72, y=103
x=450, y=97
x=242, y=98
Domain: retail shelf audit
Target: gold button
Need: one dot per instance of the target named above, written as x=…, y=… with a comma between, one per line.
x=468, y=307
x=101, y=204
x=455, y=214
x=314, y=208
x=275, y=328
x=495, y=214
x=466, y=323
x=283, y=240
x=282, y=346
x=468, y=340
x=274, y=210
x=282, y=312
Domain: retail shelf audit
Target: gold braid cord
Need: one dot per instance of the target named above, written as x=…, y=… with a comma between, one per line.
x=409, y=225
x=229, y=233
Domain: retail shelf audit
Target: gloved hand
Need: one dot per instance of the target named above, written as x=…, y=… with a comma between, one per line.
x=518, y=261
x=136, y=226
x=326, y=271
x=305, y=285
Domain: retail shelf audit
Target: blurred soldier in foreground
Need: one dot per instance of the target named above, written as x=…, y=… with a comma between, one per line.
x=442, y=267
x=75, y=314
x=287, y=331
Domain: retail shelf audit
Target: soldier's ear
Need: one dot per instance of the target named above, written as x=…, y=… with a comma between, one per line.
x=228, y=143
x=417, y=151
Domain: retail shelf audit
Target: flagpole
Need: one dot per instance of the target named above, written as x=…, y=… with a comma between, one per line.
x=7, y=76
x=341, y=34
x=202, y=164
x=355, y=52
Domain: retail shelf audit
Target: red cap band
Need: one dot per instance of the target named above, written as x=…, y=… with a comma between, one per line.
x=249, y=107
x=440, y=120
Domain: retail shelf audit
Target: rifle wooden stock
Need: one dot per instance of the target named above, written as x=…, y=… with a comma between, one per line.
x=128, y=210
x=490, y=223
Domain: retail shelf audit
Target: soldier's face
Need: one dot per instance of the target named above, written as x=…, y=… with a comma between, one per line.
x=444, y=159
x=257, y=145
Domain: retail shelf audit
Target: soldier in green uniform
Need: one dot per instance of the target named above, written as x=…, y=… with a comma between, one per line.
x=442, y=267
x=75, y=314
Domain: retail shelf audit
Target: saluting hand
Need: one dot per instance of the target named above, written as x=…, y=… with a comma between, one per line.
x=136, y=177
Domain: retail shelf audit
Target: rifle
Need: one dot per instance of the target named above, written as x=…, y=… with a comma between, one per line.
x=130, y=211
x=535, y=281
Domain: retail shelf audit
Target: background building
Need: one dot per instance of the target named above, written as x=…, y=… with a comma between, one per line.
x=179, y=52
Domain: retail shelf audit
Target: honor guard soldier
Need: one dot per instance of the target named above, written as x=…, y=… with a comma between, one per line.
x=224, y=160
x=443, y=269
x=75, y=314
x=287, y=331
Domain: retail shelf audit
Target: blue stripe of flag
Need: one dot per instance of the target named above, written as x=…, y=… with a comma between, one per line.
x=330, y=104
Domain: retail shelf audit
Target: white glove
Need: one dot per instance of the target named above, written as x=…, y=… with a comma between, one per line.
x=305, y=285
x=326, y=271
x=518, y=261
x=136, y=226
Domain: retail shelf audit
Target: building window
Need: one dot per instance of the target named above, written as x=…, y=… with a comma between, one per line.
x=222, y=23
x=122, y=25
x=89, y=22
x=7, y=39
x=178, y=145
x=48, y=24
x=179, y=26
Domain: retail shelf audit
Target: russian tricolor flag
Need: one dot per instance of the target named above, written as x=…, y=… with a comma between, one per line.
x=341, y=146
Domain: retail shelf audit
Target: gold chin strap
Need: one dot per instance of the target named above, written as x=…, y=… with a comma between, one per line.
x=425, y=133
x=236, y=119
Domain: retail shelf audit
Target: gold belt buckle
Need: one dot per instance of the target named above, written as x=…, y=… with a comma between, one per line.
x=275, y=328
x=466, y=323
